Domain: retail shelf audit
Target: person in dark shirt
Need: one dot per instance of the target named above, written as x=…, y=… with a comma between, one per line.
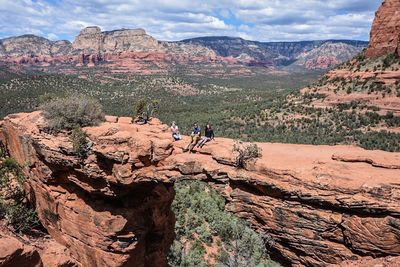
x=195, y=137
x=208, y=136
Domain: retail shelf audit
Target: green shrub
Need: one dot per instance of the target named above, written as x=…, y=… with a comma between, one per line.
x=246, y=153
x=145, y=109
x=3, y=151
x=13, y=206
x=46, y=98
x=10, y=166
x=21, y=216
x=201, y=218
x=140, y=107
x=389, y=60
x=79, y=142
x=71, y=112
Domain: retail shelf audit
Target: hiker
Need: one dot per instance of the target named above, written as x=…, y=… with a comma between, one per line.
x=175, y=132
x=208, y=136
x=195, y=137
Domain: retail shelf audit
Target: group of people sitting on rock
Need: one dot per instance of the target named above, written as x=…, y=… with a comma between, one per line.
x=195, y=136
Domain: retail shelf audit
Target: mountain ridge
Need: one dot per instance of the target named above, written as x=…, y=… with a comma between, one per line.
x=92, y=46
x=280, y=53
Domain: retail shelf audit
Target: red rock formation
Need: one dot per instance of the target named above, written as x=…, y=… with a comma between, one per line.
x=14, y=253
x=43, y=252
x=370, y=262
x=385, y=32
x=322, y=62
x=314, y=204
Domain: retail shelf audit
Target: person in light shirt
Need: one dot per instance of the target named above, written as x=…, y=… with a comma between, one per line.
x=175, y=132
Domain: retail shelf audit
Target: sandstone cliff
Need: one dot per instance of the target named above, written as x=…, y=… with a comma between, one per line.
x=93, y=46
x=385, y=32
x=93, y=40
x=314, y=204
x=31, y=45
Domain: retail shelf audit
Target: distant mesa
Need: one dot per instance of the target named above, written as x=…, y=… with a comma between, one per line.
x=93, y=46
x=90, y=30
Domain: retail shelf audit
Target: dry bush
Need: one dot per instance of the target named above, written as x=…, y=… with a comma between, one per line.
x=246, y=153
x=71, y=112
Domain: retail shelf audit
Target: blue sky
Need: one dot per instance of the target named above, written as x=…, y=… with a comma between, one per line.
x=263, y=20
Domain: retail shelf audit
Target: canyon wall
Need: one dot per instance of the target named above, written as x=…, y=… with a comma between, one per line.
x=314, y=205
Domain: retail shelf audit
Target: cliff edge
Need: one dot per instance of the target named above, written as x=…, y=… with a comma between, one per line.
x=315, y=205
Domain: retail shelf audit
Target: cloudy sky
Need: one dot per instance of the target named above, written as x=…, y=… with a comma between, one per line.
x=263, y=20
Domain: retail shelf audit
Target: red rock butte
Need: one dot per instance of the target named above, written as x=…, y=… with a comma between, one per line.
x=316, y=205
x=385, y=32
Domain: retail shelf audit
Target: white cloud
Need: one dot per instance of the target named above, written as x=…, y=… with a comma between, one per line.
x=265, y=20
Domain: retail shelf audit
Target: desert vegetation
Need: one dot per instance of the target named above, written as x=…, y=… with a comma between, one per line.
x=67, y=113
x=79, y=142
x=257, y=107
x=207, y=235
x=15, y=210
x=246, y=153
x=144, y=109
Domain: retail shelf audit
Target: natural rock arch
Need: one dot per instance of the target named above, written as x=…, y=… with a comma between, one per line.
x=318, y=204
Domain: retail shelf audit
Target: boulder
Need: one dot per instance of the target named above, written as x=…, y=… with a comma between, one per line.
x=14, y=253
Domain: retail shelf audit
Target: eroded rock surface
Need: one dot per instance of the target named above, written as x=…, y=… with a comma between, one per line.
x=14, y=253
x=314, y=204
x=385, y=32
x=370, y=262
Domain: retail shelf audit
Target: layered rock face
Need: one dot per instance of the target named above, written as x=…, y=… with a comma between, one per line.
x=308, y=54
x=33, y=49
x=327, y=55
x=14, y=253
x=18, y=252
x=385, y=32
x=314, y=205
x=93, y=46
x=93, y=40
x=104, y=218
x=370, y=262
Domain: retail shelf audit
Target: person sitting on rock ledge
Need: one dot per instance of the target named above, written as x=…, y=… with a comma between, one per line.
x=195, y=137
x=175, y=132
x=208, y=136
